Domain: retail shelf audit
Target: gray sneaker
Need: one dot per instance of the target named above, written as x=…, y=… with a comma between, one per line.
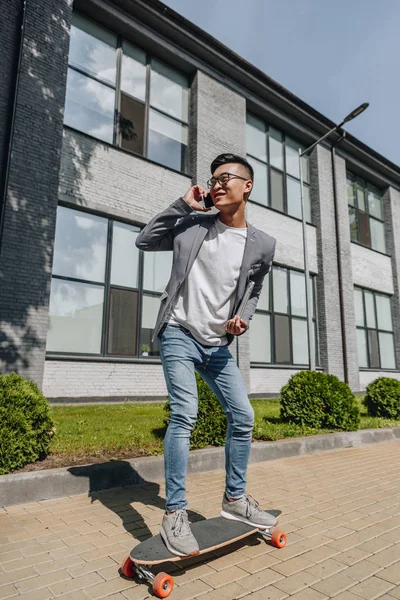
x=246, y=509
x=176, y=534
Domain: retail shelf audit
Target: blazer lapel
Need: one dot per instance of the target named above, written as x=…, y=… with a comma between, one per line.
x=197, y=242
x=246, y=262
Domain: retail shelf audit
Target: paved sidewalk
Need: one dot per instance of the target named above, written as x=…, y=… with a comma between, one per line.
x=341, y=513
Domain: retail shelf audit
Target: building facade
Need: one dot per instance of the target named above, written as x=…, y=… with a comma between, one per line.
x=109, y=111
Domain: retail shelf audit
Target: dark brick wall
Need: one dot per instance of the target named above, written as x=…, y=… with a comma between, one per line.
x=27, y=243
x=9, y=37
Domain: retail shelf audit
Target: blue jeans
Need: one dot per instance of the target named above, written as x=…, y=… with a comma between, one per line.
x=181, y=355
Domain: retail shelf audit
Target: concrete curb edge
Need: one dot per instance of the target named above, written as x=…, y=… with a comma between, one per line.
x=33, y=486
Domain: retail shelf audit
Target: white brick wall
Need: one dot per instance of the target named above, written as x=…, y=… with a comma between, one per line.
x=288, y=234
x=67, y=379
x=371, y=269
x=367, y=376
x=269, y=381
x=103, y=178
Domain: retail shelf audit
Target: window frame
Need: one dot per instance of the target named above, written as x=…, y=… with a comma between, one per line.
x=366, y=329
x=116, y=137
x=272, y=313
x=107, y=286
x=356, y=180
x=284, y=173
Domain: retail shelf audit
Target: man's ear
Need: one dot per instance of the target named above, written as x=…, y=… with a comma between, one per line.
x=247, y=189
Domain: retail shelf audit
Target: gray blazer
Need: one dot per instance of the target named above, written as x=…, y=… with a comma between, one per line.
x=182, y=230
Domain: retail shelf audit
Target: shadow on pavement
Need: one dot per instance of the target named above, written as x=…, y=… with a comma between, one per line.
x=116, y=484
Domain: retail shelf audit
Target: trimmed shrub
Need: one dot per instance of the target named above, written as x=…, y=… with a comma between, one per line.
x=211, y=424
x=25, y=423
x=383, y=398
x=319, y=400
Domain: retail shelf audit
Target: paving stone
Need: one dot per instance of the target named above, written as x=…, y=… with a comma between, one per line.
x=391, y=574
x=8, y=591
x=334, y=584
x=267, y=593
x=372, y=588
x=343, y=529
x=296, y=583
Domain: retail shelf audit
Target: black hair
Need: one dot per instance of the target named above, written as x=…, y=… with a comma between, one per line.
x=227, y=158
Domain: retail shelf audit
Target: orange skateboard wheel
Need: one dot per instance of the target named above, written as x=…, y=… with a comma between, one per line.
x=127, y=567
x=163, y=585
x=278, y=538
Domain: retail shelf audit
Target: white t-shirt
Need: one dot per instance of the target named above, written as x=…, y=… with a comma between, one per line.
x=205, y=301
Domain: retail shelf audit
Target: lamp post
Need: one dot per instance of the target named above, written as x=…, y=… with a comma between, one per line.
x=311, y=352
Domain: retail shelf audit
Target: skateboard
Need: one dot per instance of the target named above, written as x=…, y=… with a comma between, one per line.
x=210, y=534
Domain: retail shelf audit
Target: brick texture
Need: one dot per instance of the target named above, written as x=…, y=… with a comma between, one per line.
x=65, y=379
x=31, y=200
x=391, y=202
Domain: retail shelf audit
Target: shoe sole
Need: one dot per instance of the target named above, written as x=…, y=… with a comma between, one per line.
x=172, y=550
x=231, y=517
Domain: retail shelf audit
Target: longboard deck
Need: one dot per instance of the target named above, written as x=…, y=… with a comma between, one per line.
x=209, y=533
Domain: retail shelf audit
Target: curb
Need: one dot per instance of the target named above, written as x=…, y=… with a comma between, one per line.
x=34, y=486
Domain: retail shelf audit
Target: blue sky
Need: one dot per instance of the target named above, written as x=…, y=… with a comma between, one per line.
x=333, y=54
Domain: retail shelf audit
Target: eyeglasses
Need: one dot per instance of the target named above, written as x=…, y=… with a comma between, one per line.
x=223, y=179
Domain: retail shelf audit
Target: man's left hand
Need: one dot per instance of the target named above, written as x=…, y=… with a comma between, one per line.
x=236, y=325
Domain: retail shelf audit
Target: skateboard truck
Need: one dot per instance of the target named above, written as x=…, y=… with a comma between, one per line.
x=162, y=583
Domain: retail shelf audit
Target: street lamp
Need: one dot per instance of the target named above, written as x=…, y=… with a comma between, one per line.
x=311, y=352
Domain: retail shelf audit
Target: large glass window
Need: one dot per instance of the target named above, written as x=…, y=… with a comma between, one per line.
x=365, y=214
x=120, y=94
x=105, y=292
x=275, y=160
x=374, y=324
x=278, y=332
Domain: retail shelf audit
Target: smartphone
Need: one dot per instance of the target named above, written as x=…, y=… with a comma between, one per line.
x=245, y=300
x=208, y=203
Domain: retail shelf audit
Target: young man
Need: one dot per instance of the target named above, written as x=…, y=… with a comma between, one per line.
x=214, y=258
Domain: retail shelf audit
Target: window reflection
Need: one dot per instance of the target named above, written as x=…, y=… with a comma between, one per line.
x=93, y=49
x=157, y=270
x=150, y=307
x=75, y=317
x=169, y=91
x=84, y=254
x=122, y=326
x=92, y=99
x=133, y=71
x=256, y=138
x=260, y=336
x=80, y=245
x=375, y=339
x=167, y=141
x=89, y=106
x=366, y=214
x=125, y=256
x=282, y=175
x=286, y=342
x=259, y=193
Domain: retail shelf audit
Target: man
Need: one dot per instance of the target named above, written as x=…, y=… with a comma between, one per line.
x=214, y=258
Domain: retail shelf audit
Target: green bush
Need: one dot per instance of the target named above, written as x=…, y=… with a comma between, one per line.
x=211, y=424
x=319, y=400
x=25, y=423
x=383, y=398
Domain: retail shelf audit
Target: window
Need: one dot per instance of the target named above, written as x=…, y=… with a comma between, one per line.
x=365, y=214
x=278, y=332
x=117, y=93
x=275, y=160
x=104, y=292
x=374, y=324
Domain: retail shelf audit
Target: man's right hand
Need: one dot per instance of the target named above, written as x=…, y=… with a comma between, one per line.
x=194, y=196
